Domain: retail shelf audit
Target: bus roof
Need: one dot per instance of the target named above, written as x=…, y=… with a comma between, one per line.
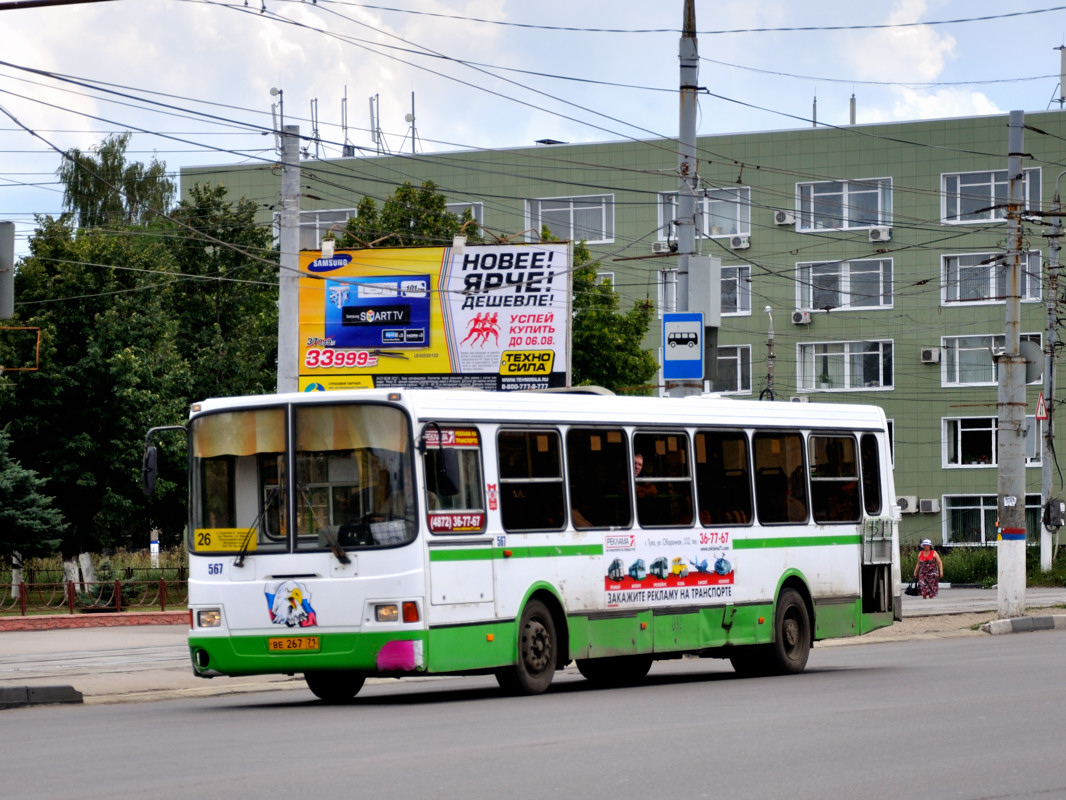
x=584, y=408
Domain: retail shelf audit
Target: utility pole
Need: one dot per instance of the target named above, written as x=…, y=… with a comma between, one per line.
x=1050, y=341
x=289, y=265
x=1011, y=399
x=771, y=357
x=699, y=278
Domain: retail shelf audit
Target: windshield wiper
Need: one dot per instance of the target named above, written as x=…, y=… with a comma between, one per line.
x=247, y=541
x=331, y=540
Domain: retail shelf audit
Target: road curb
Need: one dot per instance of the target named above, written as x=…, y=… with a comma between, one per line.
x=20, y=696
x=1025, y=624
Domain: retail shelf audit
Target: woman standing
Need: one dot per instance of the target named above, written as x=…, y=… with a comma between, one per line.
x=929, y=570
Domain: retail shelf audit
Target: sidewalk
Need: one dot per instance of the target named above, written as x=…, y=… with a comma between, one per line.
x=67, y=662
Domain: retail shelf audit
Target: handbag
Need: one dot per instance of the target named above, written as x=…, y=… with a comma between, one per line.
x=912, y=588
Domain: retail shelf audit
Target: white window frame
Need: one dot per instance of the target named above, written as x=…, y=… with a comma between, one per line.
x=980, y=346
x=477, y=210
x=952, y=283
x=601, y=233
x=987, y=508
x=315, y=224
x=849, y=213
x=989, y=196
x=730, y=206
x=818, y=360
x=807, y=278
x=952, y=442
x=605, y=278
x=740, y=354
x=739, y=278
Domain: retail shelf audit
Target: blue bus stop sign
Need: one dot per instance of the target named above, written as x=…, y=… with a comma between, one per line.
x=683, y=346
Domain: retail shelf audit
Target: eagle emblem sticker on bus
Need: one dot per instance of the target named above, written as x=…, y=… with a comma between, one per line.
x=289, y=604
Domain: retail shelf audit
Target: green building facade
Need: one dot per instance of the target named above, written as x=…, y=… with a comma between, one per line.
x=878, y=248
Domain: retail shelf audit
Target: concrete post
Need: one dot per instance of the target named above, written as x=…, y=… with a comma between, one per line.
x=288, y=273
x=1011, y=400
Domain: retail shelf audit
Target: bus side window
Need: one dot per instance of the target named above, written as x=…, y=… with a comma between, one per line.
x=664, y=485
x=834, y=479
x=723, y=478
x=452, y=463
x=780, y=484
x=871, y=473
x=598, y=468
x=531, y=480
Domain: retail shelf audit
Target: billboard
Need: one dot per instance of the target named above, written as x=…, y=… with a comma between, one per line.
x=496, y=317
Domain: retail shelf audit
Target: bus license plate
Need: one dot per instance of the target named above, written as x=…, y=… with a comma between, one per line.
x=282, y=644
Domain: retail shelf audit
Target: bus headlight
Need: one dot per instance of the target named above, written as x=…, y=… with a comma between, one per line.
x=209, y=618
x=387, y=612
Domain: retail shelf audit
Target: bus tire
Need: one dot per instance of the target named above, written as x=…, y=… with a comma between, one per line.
x=334, y=686
x=532, y=673
x=615, y=670
x=792, y=634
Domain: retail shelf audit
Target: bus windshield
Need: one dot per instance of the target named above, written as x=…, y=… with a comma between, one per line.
x=352, y=481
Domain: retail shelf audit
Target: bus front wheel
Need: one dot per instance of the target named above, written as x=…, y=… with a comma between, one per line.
x=334, y=686
x=537, y=647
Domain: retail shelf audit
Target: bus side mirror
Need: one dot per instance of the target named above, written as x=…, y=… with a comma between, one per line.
x=149, y=469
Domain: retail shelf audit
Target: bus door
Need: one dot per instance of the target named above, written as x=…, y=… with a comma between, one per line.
x=459, y=545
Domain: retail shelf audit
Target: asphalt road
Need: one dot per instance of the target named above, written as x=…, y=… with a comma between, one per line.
x=134, y=663
x=961, y=718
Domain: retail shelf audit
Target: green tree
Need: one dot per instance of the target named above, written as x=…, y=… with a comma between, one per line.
x=226, y=300
x=409, y=216
x=102, y=188
x=606, y=342
x=29, y=524
x=109, y=370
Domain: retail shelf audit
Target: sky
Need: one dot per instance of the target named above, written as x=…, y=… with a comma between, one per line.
x=192, y=79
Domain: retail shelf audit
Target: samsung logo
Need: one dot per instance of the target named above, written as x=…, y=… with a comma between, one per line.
x=329, y=264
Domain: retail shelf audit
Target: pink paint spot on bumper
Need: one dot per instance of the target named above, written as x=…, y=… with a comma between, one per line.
x=400, y=656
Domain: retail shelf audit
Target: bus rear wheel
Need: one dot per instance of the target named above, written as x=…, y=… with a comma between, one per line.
x=335, y=686
x=792, y=634
x=537, y=648
x=615, y=670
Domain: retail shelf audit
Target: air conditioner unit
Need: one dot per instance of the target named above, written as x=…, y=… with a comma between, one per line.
x=930, y=355
x=800, y=317
x=662, y=247
x=796, y=398
x=739, y=242
x=784, y=218
x=882, y=233
x=929, y=506
x=908, y=503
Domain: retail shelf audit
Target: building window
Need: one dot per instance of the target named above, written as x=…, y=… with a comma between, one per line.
x=736, y=291
x=734, y=370
x=605, y=279
x=983, y=196
x=968, y=359
x=724, y=212
x=971, y=519
x=845, y=285
x=315, y=225
x=477, y=210
x=840, y=205
x=589, y=218
x=973, y=441
x=982, y=277
x=836, y=366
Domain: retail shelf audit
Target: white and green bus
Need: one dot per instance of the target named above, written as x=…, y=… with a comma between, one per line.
x=345, y=535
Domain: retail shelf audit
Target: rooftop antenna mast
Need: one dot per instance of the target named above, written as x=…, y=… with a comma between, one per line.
x=1062, y=75
x=314, y=130
x=375, y=125
x=347, y=149
x=278, y=110
x=411, y=119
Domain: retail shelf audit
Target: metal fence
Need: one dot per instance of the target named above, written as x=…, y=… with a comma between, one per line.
x=69, y=597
